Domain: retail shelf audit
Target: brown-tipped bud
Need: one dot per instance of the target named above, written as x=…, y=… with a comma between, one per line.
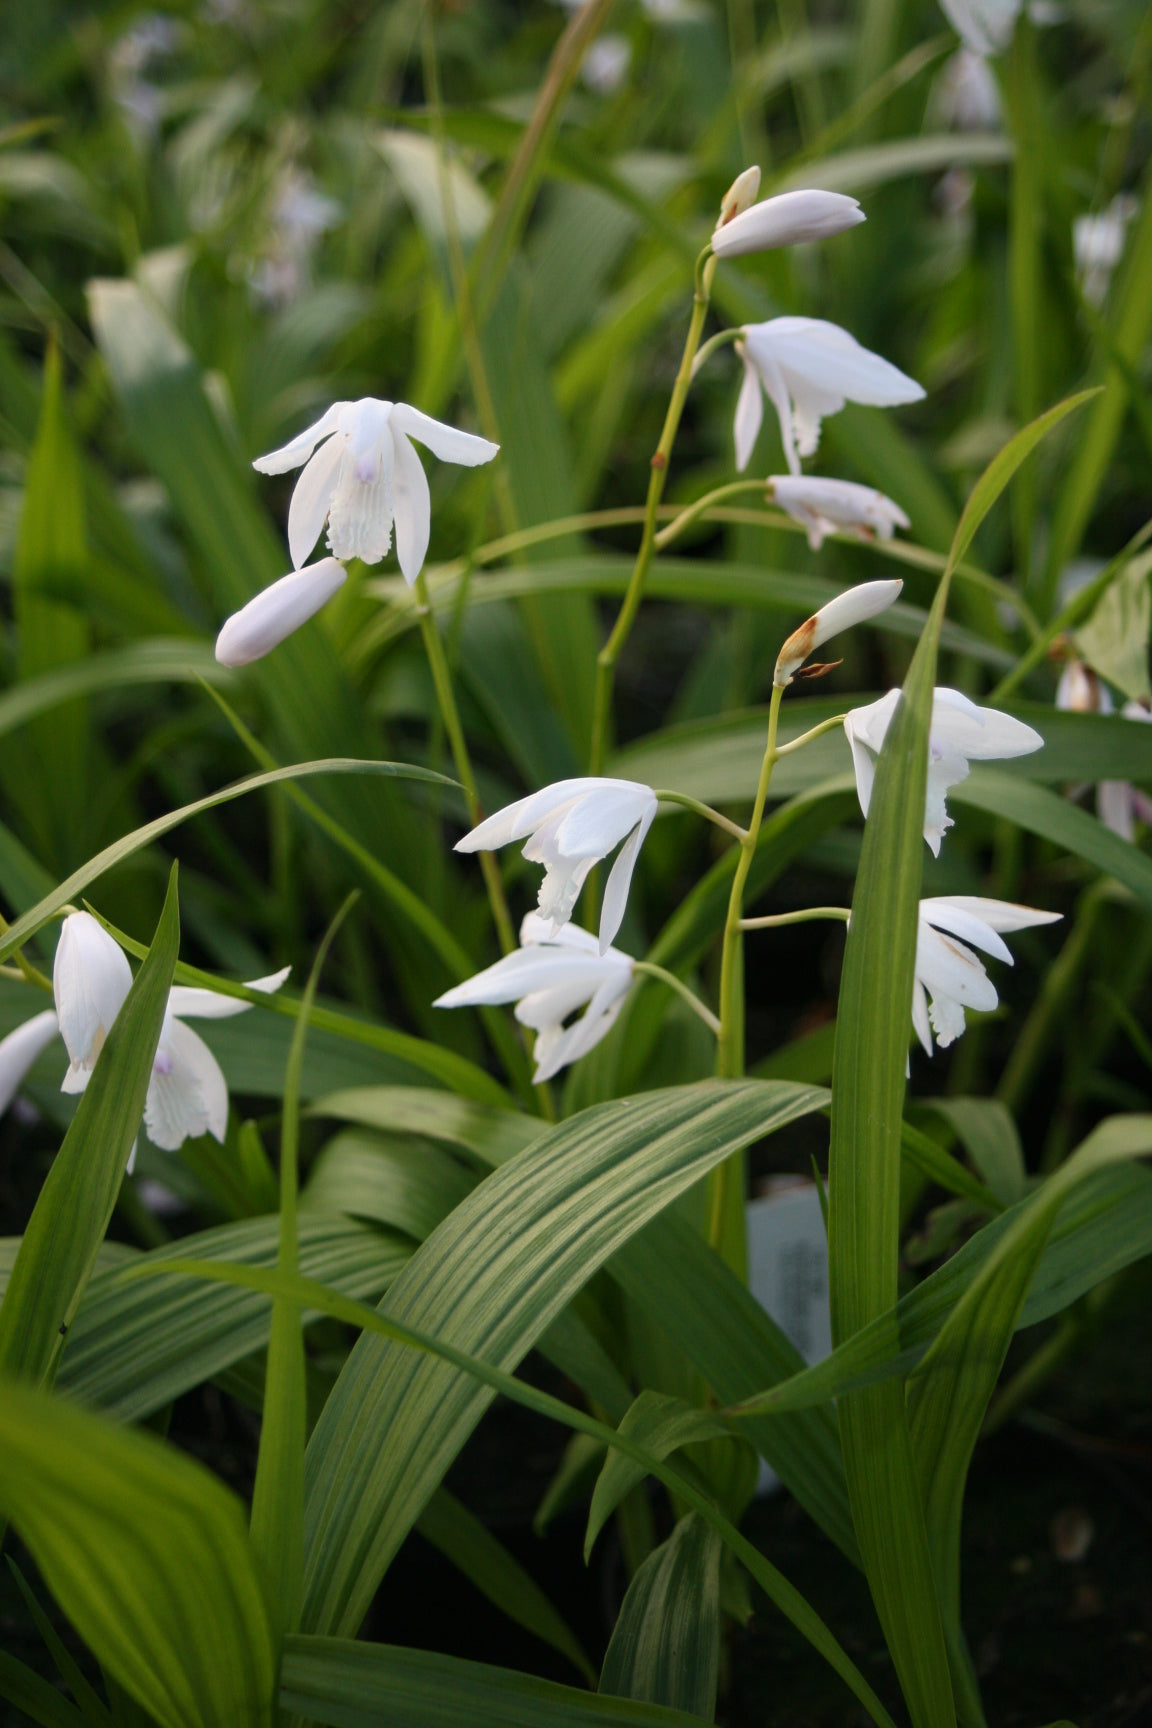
x=851, y=607
x=741, y=195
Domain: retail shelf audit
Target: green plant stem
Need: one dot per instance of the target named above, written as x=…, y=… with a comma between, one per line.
x=649, y=969
x=31, y=974
x=805, y=916
x=726, y=1183
x=734, y=489
x=829, y=725
x=721, y=340
x=610, y=653
x=664, y=796
x=451, y=717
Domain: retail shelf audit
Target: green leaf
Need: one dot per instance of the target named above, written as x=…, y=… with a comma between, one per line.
x=343, y=1683
x=23, y=1687
x=490, y=1280
x=488, y=1134
x=92, y=1708
x=75, y=1205
x=1114, y=641
x=660, y=1423
x=278, y=1493
x=404, y=1184
x=864, y=1190
x=463, y=1540
x=147, y=1555
x=135, y=1347
x=990, y=1139
x=175, y=660
x=665, y=1647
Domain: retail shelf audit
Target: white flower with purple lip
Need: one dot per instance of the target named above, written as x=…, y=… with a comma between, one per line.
x=808, y=368
x=549, y=978
x=959, y=733
x=949, y=976
x=569, y=827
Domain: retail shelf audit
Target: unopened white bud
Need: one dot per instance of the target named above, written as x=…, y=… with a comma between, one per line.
x=264, y=623
x=786, y=220
x=851, y=607
x=740, y=195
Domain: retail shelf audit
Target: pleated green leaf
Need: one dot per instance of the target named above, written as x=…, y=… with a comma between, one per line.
x=74, y=1207
x=665, y=1647
x=403, y=1184
x=490, y=1280
x=148, y=1557
x=474, y=1551
x=660, y=1423
x=341, y=1683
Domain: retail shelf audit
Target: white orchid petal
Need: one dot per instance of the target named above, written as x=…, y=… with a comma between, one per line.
x=620, y=880
x=413, y=508
x=20, y=1049
x=298, y=449
x=789, y=219
x=944, y=914
x=191, y=1002
x=598, y=821
x=447, y=442
x=311, y=498
x=1114, y=807
x=276, y=612
x=749, y=414
x=189, y=1097
x=920, y=1021
x=90, y=979
x=776, y=388
x=947, y=968
x=1004, y=915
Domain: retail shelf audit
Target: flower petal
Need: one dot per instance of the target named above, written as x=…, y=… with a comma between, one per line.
x=412, y=506
x=90, y=979
x=620, y=880
x=591, y=826
x=788, y=219
x=852, y=607
x=298, y=449
x=20, y=1050
x=281, y=608
x=311, y=499
x=190, y=1098
x=997, y=914
x=190, y=1001
x=749, y=412
x=447, y=442
x=946, y=968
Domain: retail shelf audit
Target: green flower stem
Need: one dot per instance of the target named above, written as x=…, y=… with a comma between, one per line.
x=795, y=744
x=649, y=969
x=720, y=340
x=451, y=717
x=726, y=1182
x=735, y=489
x=665, y=797
x=610, y=653
x=25, y=970
x=805, y=916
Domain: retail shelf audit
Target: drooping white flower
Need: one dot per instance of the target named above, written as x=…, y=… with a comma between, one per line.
x=569, y=827
x=90, y=979
x=20, y=1049
x=841, y=613
x=960, y=733
x=808, y=368
x=966, y=94
x=788, y=219
x=984, y=26
x=277, y=611
x=949, y=977
x=836, y=507
x=1118, y=803
x=1098, y=245
x=187, y=1092
x=549, y=978
x=605, y=66
x=364, y=475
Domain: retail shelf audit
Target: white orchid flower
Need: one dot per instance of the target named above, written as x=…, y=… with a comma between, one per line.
x=365, y=475
x=788, y=219
x=549, y=978
x=570, y=826
x=949, y=977
x=836, y=507
x=984, y=26
x=1118, y=803
x=277, y=611
x=959, y=733
x=808, y=368
x=20, y=1049
x=1098, y=245
x=967, y=96
x=851, y=607
x=187, y=1092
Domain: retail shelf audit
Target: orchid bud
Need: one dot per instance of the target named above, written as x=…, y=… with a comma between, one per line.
x=90, y=979
x=740, y=195
x=264, y=623
x=786, y=220
x=851, y=607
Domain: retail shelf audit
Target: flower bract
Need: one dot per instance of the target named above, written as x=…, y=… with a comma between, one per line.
x=549, y=978
x=851, y=607
x=808, y=368
x=960, y=733
x=949, y=976
x=361, y=474
x=836, y=507
x=569, y=827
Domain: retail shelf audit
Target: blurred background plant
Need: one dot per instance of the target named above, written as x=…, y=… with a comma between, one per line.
x=217, y=218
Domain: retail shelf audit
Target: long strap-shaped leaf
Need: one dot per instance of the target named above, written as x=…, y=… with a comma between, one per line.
x=72, y=1213
x=148, y=1556
x=666, y=1643
x=490, y=1280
